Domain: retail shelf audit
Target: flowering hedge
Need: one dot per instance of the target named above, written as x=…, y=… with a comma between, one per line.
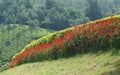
x=101, y=34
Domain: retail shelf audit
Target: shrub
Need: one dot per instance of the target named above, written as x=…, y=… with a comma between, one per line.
x=100, y=34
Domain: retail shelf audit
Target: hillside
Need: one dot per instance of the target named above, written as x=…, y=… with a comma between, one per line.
x=89, y=39
x=14, y=37
x=40, y=31
x=99, y=63
x=101, y=34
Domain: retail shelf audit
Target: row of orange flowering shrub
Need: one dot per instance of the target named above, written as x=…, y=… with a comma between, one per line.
x=101, y=34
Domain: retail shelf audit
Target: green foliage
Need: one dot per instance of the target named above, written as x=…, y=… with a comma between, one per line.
x=48, y=15
x=72, y=41
x=13, y=41
x=94, y=10
x=55, y=14
x=47, y=38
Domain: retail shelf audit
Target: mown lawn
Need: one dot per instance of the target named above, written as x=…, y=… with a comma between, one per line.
x=101, y=63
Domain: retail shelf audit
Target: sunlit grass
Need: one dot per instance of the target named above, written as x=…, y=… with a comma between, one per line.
x=100, y=63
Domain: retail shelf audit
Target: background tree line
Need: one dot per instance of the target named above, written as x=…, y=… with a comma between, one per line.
x=55, y=14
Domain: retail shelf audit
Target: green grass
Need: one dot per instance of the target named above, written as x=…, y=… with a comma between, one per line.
x=100, y=63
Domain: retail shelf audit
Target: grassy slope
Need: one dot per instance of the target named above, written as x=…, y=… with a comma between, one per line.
x=107, y=63
x=100, y=64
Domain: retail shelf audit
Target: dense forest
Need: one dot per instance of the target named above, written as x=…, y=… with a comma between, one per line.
x=22, y=21
x=55, y=14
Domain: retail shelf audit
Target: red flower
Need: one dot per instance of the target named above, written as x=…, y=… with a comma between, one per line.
x=108, y=38
x=88, y=35
x=102, y=33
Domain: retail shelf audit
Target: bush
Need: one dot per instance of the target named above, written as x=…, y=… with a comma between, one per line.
x=100, y=35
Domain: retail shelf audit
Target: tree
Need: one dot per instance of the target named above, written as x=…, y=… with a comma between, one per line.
x=93, y=11
x=117, y=3
x=50, y=3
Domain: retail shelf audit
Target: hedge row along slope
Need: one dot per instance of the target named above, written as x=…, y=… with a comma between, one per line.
x=98, y=35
